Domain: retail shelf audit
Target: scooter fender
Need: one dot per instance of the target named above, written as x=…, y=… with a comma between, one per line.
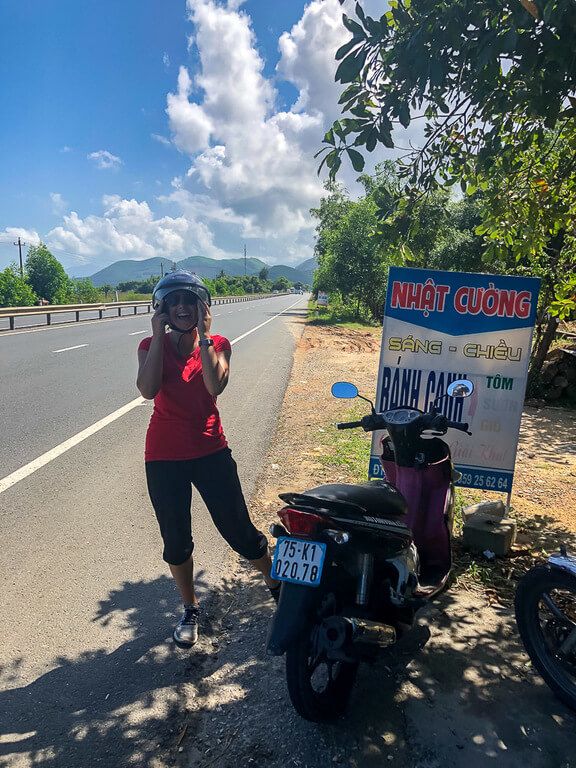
x=564, y=562
x=295, y=607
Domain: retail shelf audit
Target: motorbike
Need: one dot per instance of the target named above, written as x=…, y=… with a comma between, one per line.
x=545, y=608
x=357, y=561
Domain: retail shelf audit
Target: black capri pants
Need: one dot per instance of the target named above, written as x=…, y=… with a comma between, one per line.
x=216, y=479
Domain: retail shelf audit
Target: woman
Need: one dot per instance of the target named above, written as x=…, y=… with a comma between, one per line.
x=184, y=371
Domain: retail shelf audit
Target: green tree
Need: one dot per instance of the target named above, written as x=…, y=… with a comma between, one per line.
x=47, y=276
x=355, y=259
x=85, y=291
x=478, y=74
x=263, y=274
x=494, y=84
x=15, y=290
x=281, y=284
x=107, y=289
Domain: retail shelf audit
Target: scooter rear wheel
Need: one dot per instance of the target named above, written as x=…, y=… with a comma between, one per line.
x=546, y=616
x=319, y=688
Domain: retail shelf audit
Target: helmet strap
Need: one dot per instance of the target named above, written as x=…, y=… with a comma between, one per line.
x=179, y=330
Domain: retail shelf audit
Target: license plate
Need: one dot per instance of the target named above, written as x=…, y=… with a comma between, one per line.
x=298, y=561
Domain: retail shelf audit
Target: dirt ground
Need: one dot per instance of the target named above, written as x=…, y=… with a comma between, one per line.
x=458, y=691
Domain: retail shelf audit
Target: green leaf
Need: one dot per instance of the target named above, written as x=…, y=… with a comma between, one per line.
x=386, y=138
x=335, y=167
x=350, y=67
x=337, y=128
x=346, y=48
x=356, y=159
x=372, y=140
x=352, y=26
x=331, y=158
x=329, y=137
x=404, y=115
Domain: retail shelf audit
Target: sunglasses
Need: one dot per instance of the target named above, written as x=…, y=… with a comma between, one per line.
x=180, y=297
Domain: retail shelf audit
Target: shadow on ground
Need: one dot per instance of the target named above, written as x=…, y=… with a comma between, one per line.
x=456, y=691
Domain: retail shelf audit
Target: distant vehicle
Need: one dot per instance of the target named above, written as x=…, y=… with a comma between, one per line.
x=292, y=290
x=275, y=291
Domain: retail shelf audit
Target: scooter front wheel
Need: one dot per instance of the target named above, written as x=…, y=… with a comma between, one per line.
x=319, y=688
x=546, y=616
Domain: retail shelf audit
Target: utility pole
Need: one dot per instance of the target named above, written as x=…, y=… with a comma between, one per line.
x=244, y=258
x=161, y=269
x=20, y=244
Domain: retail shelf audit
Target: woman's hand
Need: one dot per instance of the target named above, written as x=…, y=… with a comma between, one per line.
x=204, y=320
x=160, y=320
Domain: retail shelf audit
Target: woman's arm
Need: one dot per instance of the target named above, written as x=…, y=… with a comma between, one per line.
x=215, y=369
x=215, y=365
x=150, y=361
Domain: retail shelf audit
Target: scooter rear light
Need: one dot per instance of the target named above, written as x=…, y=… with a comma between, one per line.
x=301, y=523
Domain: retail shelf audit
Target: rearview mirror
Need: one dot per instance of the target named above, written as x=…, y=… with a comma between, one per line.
x=460, y=388
x=344, y=389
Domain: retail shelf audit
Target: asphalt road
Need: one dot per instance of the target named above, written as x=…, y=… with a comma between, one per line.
x=87, y=607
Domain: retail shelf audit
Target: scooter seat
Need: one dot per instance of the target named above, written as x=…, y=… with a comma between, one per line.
x=377, y=498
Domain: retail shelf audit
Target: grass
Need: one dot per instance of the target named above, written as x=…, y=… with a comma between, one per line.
x=340, y=314
x=347, y=450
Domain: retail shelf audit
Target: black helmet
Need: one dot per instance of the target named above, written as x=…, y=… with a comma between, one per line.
x=180, y=281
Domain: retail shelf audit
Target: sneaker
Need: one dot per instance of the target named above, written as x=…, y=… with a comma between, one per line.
x=186, y=632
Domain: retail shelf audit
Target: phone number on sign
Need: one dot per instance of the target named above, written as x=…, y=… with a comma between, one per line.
x=491, y=482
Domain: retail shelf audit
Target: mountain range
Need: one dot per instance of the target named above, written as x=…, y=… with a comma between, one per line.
x=129, y=269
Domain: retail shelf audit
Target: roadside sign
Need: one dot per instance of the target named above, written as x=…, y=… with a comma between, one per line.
x=322, y=299
x=442, y=326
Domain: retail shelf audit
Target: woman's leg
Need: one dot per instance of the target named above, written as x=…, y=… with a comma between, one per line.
x=184, y=578
x=171, y=495
x=217, y=481
x=264, y=565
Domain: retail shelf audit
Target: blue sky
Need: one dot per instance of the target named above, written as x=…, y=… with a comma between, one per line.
x=123, y=138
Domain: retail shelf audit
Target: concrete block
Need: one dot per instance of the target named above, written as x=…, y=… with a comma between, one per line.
x=483, y=532
x=494, y=509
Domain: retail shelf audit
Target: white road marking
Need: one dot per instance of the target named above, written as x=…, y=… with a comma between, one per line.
x=239, y=338
x=136, y=333
x=67, y=349
x=54, y=453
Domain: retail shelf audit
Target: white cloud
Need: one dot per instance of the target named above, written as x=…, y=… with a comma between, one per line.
x=307, y=58
x=252, y=172
x=104, y=159
x=66, y=149
x=129, y=229
x=166, y=60
x=161, y=139
x=59, y=205
x=28, y=236
x=190, y=124
x=253, y=161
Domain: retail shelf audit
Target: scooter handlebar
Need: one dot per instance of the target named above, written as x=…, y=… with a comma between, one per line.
x=462, y=426
x=348, y=424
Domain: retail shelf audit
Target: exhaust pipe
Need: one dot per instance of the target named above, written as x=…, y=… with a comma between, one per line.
x=337, y=632
x=366, y=632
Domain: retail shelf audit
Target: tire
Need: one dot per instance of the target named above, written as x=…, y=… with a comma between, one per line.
x=309, y=700
x=542, y=643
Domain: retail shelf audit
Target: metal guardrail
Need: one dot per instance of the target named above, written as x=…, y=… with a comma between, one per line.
x=11, y=313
